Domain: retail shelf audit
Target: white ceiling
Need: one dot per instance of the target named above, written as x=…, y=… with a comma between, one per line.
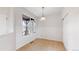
x=47, y=11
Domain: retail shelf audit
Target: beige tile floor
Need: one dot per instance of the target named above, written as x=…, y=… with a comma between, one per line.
x=43, y=45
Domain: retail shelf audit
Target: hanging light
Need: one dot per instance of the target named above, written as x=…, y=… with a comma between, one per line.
x=43, y=17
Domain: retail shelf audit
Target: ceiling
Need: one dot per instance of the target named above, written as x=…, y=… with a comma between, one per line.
x=47, y=10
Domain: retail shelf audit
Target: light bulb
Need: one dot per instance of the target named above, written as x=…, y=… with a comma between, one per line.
x=43, y=18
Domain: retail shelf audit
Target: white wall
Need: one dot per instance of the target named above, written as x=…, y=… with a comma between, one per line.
x=6, y=20
x=51, y=28
x=71, y=29
x=7, y=34
x=7, y=42
x=20, y=39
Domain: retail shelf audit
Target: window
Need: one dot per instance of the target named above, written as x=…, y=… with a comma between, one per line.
x=28, y=25
x=3, y=24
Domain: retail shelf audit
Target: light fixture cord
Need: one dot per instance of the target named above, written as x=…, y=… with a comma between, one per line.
x=42, y=11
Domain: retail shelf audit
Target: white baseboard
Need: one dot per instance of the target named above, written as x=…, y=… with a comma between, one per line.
x=50, y=39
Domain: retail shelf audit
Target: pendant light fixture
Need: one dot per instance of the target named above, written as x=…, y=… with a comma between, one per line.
x=43, y=16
